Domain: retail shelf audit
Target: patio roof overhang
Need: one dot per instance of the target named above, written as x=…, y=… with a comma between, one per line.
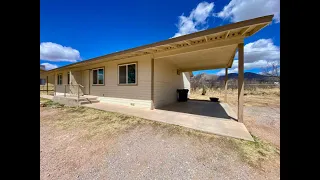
x=209, y=49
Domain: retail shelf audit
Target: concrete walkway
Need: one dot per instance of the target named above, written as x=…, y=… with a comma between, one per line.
x=215, y=125
x=46, y=96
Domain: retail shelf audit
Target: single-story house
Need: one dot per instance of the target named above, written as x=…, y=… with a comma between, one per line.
x=42, y=76
x=148, y=76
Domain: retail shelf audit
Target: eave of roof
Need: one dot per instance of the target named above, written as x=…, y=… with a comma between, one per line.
x=243, y=28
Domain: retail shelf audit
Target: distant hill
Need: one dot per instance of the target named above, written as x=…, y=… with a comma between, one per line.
x=247, y=76
x=212, y=80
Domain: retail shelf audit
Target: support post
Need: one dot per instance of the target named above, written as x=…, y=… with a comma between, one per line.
x=152, y=83
x=78, y=94
x=47, y=86
x=65, y=90
x=240, y=81
x=55, y=84
x=226, y=86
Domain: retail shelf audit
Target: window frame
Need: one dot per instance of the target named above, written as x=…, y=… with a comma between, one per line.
x=136, y=74
x=97, y=69
x=42, y=80
x=68, y=77
x=60, y=74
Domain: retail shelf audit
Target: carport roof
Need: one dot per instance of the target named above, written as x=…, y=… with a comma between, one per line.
x=235, y=31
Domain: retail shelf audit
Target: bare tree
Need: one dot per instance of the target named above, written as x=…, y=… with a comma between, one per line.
x=272, y=69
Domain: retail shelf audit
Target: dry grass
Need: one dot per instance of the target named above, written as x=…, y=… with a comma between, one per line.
x=99, y=124
x=257, y=97
x=255, y=153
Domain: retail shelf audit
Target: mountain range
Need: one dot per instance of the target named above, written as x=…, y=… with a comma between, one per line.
x=247, y=75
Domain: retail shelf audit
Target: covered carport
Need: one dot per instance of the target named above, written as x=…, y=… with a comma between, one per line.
x=210, y=49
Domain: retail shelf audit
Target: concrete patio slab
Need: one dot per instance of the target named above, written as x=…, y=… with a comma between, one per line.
x=220, y=124
x=46, y=96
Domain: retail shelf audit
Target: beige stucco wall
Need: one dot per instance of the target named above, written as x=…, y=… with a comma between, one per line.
x=61, y=88
x=166, y=83
x=131, y=95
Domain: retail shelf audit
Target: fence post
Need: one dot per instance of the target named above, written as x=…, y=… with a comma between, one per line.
x=47, y=87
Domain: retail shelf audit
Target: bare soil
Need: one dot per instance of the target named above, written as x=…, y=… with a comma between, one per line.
x=83, y=143
x=261, y=110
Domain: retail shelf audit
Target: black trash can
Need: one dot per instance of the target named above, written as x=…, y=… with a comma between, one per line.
x=182, y=95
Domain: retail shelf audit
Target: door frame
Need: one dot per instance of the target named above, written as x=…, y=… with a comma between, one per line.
x=85, y=83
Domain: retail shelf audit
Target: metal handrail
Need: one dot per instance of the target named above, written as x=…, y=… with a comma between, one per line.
x=78, y=90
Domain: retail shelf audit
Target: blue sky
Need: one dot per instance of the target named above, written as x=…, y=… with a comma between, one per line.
x=72, y=31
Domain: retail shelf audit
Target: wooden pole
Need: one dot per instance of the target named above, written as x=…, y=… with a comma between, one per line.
x=47, y=86
x=226, y=86
x=152, y=83
x=240, y=81
x=78, y=94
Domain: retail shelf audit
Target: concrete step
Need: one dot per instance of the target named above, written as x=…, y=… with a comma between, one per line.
x=84, y=102
x=94, y=101
x=88, y=98
x=88, y=102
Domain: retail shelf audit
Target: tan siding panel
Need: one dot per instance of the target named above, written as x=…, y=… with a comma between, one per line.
x=111, y=92
x=167, y=81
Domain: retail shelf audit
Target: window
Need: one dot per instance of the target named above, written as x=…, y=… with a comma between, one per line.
x=42, y=81
x=68, y=78
x=59, y=79
x=127, y=73
x=98, y=76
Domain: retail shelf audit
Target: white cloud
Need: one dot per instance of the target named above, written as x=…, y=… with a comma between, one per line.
x=222, y=72
x=55, y=52
x=247, y=66
x=240, y=10
x=196, y=21
x=49, y=66
x=262, y=49
x=257, y=54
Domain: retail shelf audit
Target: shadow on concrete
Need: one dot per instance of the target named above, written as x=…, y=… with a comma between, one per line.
x=198, y=107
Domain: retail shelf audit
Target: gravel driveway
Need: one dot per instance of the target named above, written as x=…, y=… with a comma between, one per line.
x=145, y=151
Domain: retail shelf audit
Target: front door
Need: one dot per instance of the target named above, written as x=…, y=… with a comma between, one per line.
x=86, y=81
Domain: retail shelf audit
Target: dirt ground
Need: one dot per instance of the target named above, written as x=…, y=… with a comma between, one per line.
x=83, y=143
x=261, y=110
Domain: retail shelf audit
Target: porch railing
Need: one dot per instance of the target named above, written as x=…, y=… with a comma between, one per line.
x=73, y=90
x=46, y=89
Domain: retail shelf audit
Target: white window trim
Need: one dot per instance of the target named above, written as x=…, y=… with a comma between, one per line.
x=59, y=79
x=98, y=76
x=127, y=74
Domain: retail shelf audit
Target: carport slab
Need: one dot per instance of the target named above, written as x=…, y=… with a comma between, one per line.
x=215, y=125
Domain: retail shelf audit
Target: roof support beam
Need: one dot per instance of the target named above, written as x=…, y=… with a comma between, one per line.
x=243, y=32
x=201, y=68
x=171, y=46
x=226, y=34
x=149, y=50
x=257, y=28
x=188, y=42
x=229, y=65
x=199, y=47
